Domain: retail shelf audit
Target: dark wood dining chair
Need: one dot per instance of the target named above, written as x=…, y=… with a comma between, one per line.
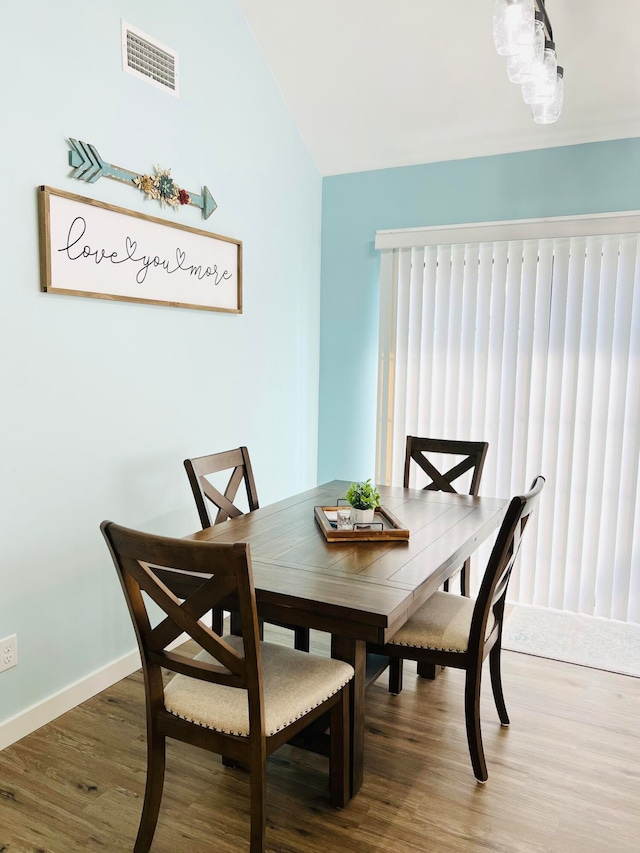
x=237, y=697
x=469, y=458
x=452, y=630
x=216, y=506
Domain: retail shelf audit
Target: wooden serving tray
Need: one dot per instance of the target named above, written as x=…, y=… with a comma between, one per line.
x=392, y=529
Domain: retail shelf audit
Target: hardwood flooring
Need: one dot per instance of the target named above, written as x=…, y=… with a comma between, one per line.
x=564, y=777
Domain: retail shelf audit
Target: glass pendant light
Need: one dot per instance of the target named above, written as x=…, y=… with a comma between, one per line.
x=530, y=56
x=539, y=86
x=523, y=34
x=512, y=24
x=548, y=113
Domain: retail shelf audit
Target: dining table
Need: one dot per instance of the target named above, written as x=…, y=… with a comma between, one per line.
x=359, y=592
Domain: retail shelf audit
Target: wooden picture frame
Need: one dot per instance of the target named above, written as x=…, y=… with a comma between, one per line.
x=89, y=248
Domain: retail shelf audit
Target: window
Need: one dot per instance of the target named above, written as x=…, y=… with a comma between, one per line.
x=527, y=335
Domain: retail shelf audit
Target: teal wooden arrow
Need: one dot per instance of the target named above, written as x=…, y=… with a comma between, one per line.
x=89, y=166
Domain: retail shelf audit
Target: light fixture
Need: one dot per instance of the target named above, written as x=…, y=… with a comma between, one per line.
x=539, y=86
x=521, y=65
x=549, y=111
x=522, y=32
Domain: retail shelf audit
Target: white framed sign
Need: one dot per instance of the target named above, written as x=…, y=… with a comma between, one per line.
x=89, y=248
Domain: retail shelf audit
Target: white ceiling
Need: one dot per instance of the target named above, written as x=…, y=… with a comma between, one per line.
x=373, y=84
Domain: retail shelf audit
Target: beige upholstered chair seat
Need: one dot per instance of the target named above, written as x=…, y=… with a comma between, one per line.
x=294, y=683
x=443, y=622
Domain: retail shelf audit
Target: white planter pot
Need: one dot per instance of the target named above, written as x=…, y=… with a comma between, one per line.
x=362, y=516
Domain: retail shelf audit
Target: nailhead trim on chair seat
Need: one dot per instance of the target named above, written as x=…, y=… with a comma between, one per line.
x=442, y=623
x=294, y=683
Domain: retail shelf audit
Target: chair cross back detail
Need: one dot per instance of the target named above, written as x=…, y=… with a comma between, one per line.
x=185, y=618
x=474, y=452
x=207, y=495
x=232, y=576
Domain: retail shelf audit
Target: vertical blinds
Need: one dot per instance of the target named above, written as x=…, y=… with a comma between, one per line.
x=534, y=346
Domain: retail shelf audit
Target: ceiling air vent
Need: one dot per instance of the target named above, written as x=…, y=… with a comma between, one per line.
x=144, y=57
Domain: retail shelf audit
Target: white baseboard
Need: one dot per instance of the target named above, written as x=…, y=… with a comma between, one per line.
x=27, y=721
x=15, y=728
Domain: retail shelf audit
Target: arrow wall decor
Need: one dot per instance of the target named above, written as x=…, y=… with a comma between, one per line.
x=88, y=166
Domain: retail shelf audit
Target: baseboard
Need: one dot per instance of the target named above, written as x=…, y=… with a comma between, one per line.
x=15, y=728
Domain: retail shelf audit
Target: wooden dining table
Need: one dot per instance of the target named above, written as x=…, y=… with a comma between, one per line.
x=357, y=591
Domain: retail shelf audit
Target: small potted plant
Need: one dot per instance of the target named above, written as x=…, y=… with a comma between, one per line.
x=364, y=499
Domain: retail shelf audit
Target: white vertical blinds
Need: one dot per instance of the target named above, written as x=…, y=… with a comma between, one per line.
x=534, y=346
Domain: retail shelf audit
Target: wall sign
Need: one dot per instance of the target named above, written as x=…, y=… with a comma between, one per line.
x=88, y=248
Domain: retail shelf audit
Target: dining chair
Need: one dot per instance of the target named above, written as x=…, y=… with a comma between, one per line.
x=215, y=506
x=469, y=458
x=237, y=697
x=469, y=455
x=456, y=631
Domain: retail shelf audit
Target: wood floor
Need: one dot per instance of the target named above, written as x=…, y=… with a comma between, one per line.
x=564, y=777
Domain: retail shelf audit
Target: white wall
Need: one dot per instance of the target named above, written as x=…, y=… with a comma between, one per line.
x=102, y=401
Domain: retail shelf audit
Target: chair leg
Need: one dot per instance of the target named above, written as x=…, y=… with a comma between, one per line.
x=427, y=670
x=258, y=796
x=472, y=719
x=465, y=579
x=236, y=625
x=496, y=683
x=395, y=675
x=153, y=792
x=301, y=639
x=339, y=751
x=217, y=620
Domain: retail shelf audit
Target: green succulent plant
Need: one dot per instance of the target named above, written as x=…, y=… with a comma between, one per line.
x=363, y=495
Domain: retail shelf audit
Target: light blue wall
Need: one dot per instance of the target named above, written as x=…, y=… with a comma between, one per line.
x=590, y=178
x=102, y=401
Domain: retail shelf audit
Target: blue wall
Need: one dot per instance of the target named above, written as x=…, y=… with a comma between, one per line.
x=591, y=178
x=102, y=401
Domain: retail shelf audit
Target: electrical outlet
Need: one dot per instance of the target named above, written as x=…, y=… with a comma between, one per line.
x=8, y=652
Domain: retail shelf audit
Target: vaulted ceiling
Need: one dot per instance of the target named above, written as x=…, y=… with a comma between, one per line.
x=373, y=84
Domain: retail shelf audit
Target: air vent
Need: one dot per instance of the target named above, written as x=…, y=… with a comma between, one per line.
x=144, y=57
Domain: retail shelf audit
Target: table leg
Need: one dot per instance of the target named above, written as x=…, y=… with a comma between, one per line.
x=354, y=652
